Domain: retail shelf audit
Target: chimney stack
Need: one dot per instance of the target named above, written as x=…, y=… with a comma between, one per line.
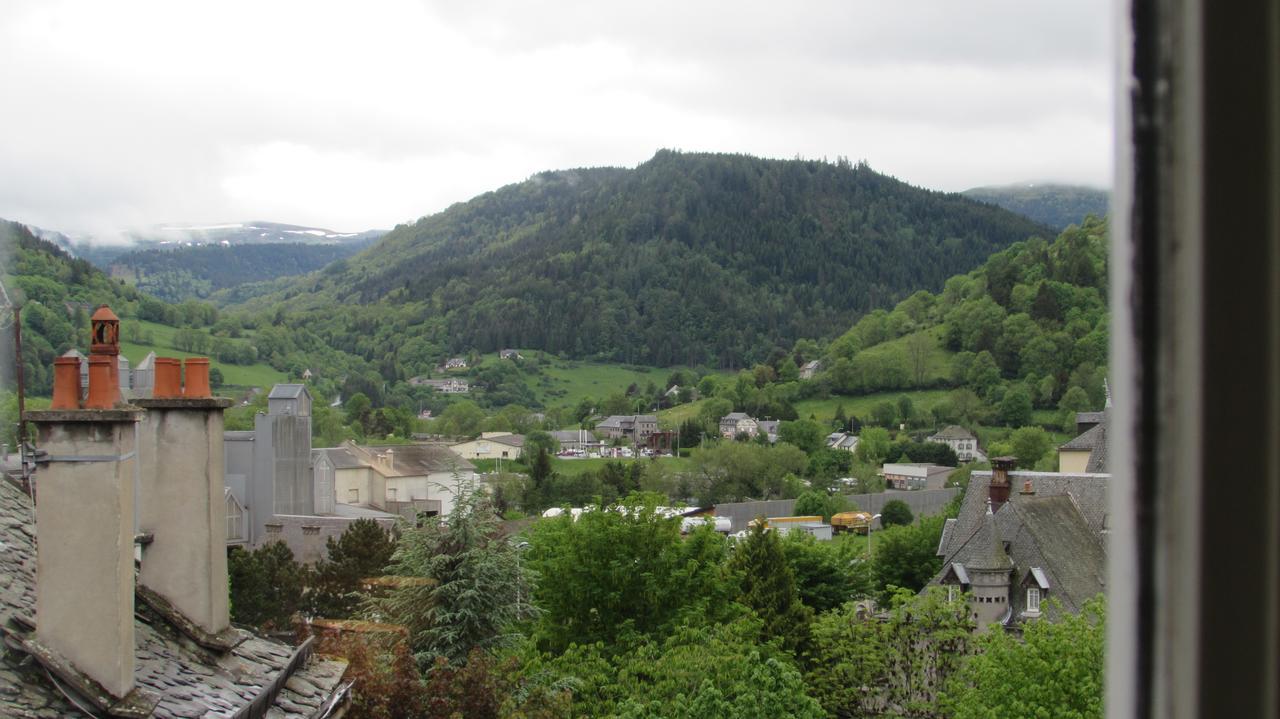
x=104, y=351
x=85, y=528
x=998, y=489
x=181, y=503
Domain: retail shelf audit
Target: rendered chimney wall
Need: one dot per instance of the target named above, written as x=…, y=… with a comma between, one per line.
x=84, y=540
x=85, y=517
x=181, y=501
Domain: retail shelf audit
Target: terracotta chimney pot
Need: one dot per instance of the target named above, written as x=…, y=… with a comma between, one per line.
x=197, y=385
x=168, y=378
x=101, y=389
x=106, y=332
x=66, y=383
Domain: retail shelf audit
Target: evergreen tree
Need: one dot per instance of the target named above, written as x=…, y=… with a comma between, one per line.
x=469, y=583
x=362, y=551
x=266, y=585
x=769, y=587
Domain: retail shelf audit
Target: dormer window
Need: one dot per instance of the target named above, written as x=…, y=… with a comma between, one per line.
x=1033, y=600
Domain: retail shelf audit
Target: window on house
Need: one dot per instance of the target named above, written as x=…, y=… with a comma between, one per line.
x=391, y=494
x=1033, y=600
x=353, y=495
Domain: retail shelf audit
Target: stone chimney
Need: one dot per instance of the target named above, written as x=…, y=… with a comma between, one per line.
x=181, y=504
x=85, y=532
x=998, y=489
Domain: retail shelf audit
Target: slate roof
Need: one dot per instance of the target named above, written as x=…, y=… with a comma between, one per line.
x=954, y=431
x=1087, y=441
x=190, y=682
x=1093, y=441
x=409, y=460
x=735, y=416
x=339, y=457
x=983, y=550
x=1058, y=529
x=1088, y=490
x=511, y=440
x=1050, y=535
x=1090, y=417
x=287, y=391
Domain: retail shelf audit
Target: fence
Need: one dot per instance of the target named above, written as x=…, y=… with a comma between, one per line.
x=922, y=502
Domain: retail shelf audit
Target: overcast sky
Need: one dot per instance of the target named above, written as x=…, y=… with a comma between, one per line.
x=356, y=115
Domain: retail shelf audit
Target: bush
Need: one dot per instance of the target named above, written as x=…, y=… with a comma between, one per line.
x=895, y=512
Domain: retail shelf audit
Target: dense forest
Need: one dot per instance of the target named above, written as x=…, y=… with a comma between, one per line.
x=1057, y=206
x=182, y=273
x=687, y=259
x=1032, y=321
x=58, y=293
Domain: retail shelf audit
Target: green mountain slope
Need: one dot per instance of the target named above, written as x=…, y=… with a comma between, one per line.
x=1057, y=206
x=687, y=259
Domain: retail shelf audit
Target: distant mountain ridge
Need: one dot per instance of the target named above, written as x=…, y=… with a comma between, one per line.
x=171, y=236
x=686, y=259
x=1055, y=205
x=179, y=262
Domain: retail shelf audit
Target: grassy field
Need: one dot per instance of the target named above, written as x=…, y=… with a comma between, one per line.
x=860, y=406
x=255, y=375
x=937, y=363
x=567, y=383
x=671, y=418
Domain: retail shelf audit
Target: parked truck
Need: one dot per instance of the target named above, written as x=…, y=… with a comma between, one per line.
x=859, y=522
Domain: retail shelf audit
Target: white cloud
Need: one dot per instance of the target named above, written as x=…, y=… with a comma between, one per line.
x=357, y=115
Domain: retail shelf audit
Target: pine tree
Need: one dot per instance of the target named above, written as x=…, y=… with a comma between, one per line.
x=470, y=583
x=769, y=587
x=363, y=550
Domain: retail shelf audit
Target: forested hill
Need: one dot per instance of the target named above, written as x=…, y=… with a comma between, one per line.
x=686, y=259
x=58, y=293
x=1055, y=205
x=182, y=273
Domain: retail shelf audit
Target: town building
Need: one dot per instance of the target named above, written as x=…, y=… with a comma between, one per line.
x=276, y=488
x=843, y=441
x=577, y=440
x=491, y=445
x=736, y=423
x=916, y=475
x=1087, y=452
x=961, y=441
x=1022, y=538
x=810, y=368
x=404, y=479
x=633, y=427
x=445, y=386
